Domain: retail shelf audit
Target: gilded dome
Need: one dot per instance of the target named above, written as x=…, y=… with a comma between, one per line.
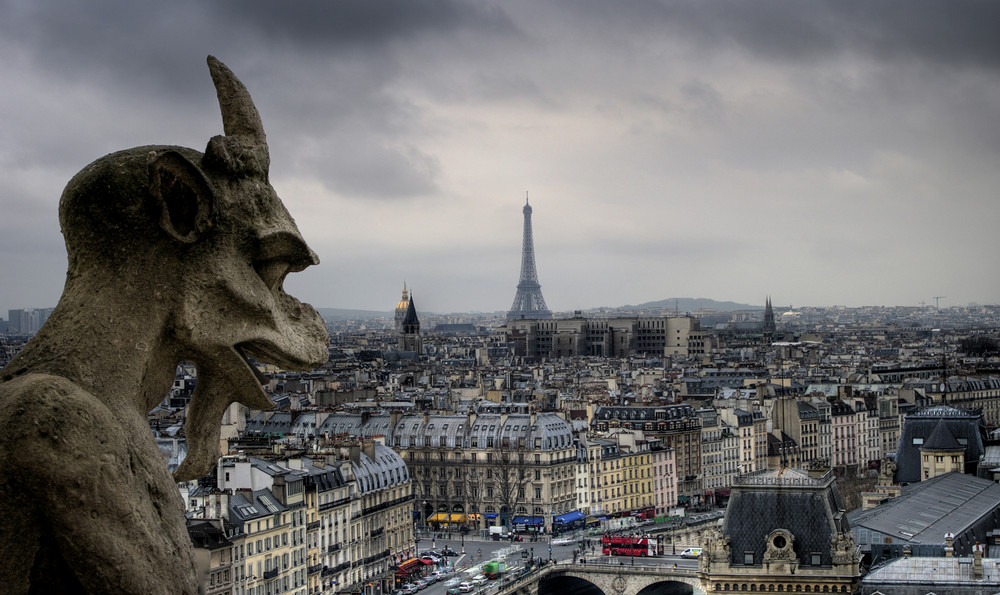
x=404, y=302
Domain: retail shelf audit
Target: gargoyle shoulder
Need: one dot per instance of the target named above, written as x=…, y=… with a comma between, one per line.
x=47, y=417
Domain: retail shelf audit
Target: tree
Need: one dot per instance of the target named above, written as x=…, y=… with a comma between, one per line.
x=473, y=489
x=979, y=346
x=509, y=470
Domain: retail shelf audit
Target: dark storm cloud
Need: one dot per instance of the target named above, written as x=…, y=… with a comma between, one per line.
x=657, y=136
x=325, y=64
x=135, y=37
x=355, y=23
x=939, y=33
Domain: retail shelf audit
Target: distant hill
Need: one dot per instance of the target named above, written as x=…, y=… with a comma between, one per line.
x=694, y=304
x=330, y=314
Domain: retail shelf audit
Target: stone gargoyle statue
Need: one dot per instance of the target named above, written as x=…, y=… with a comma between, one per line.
x=174, y=255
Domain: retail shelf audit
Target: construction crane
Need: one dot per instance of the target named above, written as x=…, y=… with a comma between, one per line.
x=937, y=300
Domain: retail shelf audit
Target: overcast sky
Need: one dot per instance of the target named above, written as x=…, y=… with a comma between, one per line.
x=820, y=153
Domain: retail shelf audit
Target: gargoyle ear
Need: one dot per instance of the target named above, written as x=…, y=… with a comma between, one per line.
x=182, y=194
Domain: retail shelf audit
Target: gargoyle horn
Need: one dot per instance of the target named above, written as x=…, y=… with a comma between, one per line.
x=239, y=115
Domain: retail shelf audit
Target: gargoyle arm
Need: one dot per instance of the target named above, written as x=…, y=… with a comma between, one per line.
x=105, y=501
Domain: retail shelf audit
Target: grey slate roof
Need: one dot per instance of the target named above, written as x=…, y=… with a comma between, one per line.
x=355, y=424
x=550, y=430
x=807, y=410
x=941, y=439
x=967, y=427
x=644, y=413
x=932, y=575
x=260, y=504
x=925, y=511
x=808, y=508
x=277, y=423
x=385, y=470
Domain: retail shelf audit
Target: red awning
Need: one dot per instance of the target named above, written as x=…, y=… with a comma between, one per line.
x=410, y=566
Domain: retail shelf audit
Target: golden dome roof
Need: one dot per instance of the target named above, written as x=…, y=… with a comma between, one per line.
x=404, y=302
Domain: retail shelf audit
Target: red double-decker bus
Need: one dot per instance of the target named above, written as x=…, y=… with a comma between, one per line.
x=646, y=545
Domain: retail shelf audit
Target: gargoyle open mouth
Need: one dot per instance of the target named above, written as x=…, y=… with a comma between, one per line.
x=253, y=368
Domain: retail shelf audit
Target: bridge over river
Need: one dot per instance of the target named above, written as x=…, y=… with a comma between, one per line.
x=596, y=579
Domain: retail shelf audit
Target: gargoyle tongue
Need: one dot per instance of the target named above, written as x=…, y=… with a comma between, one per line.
x=224, y=378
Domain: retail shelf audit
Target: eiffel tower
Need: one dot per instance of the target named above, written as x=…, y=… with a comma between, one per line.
x=528, y=301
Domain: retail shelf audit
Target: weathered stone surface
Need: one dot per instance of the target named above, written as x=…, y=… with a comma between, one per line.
x=173, y=255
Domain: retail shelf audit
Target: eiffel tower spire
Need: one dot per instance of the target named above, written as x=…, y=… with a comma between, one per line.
x=528, y=301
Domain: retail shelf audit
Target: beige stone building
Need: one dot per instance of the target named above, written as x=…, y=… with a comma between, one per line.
x=664, y=336
x=676, y=426
x=496, y=468
x=336, y=520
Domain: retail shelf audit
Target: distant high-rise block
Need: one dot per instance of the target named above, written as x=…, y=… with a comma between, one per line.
x=27, y=321
x=528, y=301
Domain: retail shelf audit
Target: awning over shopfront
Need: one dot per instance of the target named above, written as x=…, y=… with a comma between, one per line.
x=569, y=517
x=410, y=566
x=444, y=517
x=529, y=520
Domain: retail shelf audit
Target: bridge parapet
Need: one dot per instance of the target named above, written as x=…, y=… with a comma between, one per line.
x=611, y=579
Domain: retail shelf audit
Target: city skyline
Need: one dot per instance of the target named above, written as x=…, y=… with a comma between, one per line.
x=821, y=153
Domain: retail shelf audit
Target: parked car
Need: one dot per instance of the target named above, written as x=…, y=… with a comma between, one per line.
x=447, y=551
x=691, y=552
x=465, y=587
x=420, y=583
x=430, y=579
x=452, y=591
x=479, y=579
x=453, y=582
x=408, y=589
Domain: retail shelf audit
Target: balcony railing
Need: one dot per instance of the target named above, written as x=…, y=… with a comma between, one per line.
x=270, y=573
x=335, y=503
x=385, y=505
